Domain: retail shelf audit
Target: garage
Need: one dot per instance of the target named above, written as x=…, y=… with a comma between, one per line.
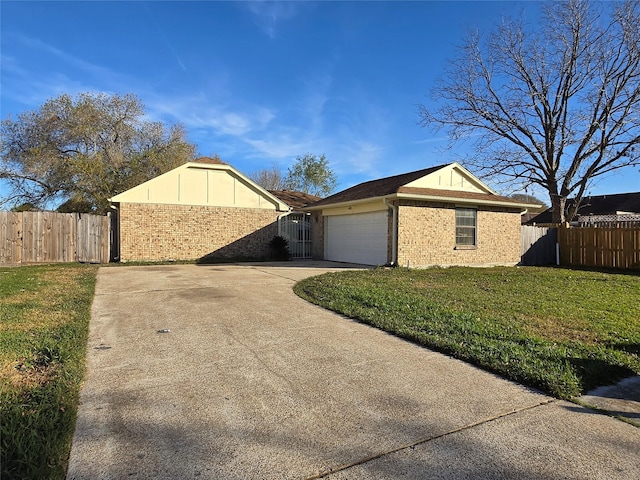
x=357, y=238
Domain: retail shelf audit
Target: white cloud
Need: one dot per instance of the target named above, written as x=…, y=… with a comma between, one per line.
x=32, y=85
x=269, y=14
x=201, y=112
x=278, y=146
x=90, y=68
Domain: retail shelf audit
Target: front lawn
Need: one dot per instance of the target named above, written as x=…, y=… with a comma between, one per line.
x=563, y=331
x=44, y=322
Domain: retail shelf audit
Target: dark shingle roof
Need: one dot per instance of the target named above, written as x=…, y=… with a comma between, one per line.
x=376, y=188
x=598, y=205
x=295, y=200
x=396, y=184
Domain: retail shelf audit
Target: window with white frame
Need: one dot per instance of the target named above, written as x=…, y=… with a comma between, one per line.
x=466, y=223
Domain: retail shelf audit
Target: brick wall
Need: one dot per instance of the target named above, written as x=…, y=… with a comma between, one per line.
x=426, y=236
x=150, y=232
x=317, y=236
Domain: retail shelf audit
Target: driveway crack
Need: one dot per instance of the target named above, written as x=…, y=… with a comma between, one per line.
x=415, y=443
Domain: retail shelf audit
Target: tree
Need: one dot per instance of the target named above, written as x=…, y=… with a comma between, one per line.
x=84, y=150
x=311, y=174
x=269, y=179
x=556, y=104
x=25, y=207
x=523, y=197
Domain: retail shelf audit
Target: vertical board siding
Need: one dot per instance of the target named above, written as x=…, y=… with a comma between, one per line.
x=51, y=237
x=600, y=247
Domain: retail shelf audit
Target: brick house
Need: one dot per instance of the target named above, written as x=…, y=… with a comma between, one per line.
x=204, y=208
x=442, y=215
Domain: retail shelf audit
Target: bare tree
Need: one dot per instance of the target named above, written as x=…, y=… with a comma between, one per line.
x=555, y=104
x=269, y=179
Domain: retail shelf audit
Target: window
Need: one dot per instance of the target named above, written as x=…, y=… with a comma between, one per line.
x=466, y=227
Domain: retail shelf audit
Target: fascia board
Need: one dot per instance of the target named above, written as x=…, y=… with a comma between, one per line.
x=466, y=201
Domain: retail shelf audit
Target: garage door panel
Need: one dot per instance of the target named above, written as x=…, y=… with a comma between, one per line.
x=359, y=238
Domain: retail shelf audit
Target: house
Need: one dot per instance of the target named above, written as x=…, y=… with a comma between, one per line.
x=207, y=209
x=442, y=215
x=619, y=207
x=204, y=208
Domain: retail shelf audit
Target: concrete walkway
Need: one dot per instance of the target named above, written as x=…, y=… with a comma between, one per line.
x=251, y=382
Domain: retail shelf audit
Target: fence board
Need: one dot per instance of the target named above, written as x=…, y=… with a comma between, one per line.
x=93, y=238
x=51, y=237
x=10, y=238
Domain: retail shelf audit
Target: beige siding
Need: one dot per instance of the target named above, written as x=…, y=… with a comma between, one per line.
x=151, y=232
x=202, y=185
x=451, y=177
x=426, y=237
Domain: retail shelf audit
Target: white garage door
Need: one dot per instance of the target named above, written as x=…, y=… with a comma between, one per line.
x=358, y=238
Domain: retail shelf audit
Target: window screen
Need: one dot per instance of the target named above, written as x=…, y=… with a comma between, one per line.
x=465, y=226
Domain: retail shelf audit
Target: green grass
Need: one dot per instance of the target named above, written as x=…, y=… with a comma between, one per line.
x=44, y=320
x=562, y=331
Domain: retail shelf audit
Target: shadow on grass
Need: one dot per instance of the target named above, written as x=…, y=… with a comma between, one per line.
x=595, y=372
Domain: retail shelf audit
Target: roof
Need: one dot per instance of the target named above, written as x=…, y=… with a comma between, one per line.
x=209, y=160
x=598, y=205
x=446, y=183
x=296, y=200
x=376, y=188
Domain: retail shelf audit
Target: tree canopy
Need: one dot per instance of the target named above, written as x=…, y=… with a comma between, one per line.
x=269, y=179
x=84, y=150
x=554, y=104
x=311, y=174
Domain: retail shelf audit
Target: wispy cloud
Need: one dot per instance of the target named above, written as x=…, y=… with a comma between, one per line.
x=34, y=85
x=87, y=67
x=268, y=15
x=164, y=37
x=199, y=111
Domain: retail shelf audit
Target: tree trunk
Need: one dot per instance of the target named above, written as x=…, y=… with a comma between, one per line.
x=558, y=203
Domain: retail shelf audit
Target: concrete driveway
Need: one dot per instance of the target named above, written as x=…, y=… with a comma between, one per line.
x=252, y=382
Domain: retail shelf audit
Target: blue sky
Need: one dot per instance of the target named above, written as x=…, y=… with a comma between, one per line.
x=259, y=83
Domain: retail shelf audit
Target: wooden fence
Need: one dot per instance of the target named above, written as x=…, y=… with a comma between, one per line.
x=51, y=237
x=600, y=247
x=538, y=245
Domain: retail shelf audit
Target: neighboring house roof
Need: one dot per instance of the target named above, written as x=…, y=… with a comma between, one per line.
x=296, y=200
x=205, y=181
x=447, y=183
x=209, y=160
x=614, y=204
